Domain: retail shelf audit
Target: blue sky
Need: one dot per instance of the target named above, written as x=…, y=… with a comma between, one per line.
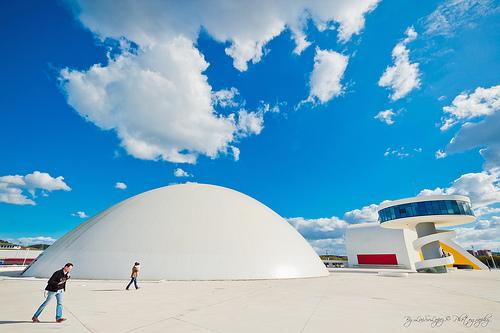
x=310, y=145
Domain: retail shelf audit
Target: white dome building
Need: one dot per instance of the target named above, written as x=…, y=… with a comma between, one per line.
x=184, y=232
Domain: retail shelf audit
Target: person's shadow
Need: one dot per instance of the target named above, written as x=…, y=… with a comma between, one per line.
x=3, y=322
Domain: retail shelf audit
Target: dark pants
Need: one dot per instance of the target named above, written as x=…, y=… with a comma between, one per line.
x=134, y=280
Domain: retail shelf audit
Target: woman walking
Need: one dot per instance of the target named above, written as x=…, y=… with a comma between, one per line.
x=135, y=272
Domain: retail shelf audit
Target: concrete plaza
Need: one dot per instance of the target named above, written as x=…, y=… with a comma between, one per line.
x=347, y=300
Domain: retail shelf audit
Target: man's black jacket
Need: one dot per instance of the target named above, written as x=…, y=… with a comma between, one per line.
x=57, y=281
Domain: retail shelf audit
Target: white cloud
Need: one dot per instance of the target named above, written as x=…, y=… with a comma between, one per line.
x=483, y=188
x=365, y=214
x=486, y=210
x=80, y=214
x=121, y=186
x=453, y=16
x=152, y=92
x=247, y=26
x=491, y=155
x=225, y=97
x=403, y=76
x=436, y=191
x=440, y=154
x=327, y=234
x=12, y=188
x=492, y=222
x=13, y=195
x=329, y=68
x=321, y=228
x=13, y=180
x=250, y=122
x=44, y=181
x=482, y=102
x=236, y=153
x=276, y=107
x=301, y=42
x=181, y=173
x=158, y=102
x=386, y=116
x=332, y=246
x=266, y=107
x=484, y=235
x=36, y=240
x=479, y=114
x=399, y=153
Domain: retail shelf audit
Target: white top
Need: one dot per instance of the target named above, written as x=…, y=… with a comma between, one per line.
x=410, y=222
x=422, y=198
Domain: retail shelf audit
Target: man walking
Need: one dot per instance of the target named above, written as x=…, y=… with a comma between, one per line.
x=133, y=276
x=56, y=286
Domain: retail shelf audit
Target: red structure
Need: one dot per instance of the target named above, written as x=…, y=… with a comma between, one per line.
x=377, y=259
x=16, y=261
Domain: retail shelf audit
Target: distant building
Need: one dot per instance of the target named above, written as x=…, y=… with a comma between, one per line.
x=9, y=247
x=17, y=255
x=473, y=252
x=406, y=235
x=484, y=253
x=331, y=263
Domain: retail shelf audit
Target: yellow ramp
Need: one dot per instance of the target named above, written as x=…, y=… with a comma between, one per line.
x=461, y=256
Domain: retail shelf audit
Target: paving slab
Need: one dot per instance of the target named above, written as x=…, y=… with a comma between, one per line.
x=345, y=301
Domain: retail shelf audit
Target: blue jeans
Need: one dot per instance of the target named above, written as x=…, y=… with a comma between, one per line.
x=59, y=307
x=134, y=280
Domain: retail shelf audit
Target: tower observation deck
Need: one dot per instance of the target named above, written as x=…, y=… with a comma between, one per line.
x=423, y=214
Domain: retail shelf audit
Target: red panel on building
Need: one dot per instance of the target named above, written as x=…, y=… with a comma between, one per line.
x=15, y=261
x=377, y=259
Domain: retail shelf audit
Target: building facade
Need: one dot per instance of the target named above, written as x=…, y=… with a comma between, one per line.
x=406, y=235
x=369, y=245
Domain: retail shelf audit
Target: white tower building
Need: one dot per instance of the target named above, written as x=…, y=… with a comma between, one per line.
x=423, y=214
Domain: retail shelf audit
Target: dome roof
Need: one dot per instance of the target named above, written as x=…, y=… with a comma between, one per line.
x=184, y=232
